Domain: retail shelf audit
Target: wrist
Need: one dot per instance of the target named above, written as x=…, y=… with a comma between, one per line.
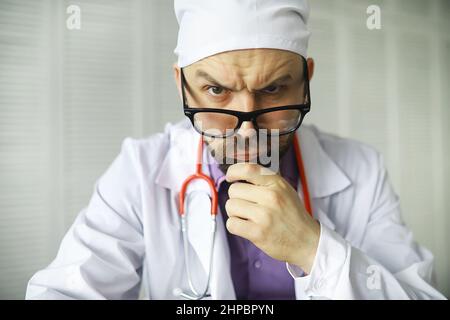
x=305, y=257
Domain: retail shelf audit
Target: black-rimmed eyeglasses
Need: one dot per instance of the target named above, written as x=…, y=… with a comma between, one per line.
x=221, y=123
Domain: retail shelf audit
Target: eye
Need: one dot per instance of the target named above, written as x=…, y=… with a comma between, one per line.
x=215, y=91
x=272, y=89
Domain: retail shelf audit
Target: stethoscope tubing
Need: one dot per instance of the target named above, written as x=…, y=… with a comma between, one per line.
x=197, y=294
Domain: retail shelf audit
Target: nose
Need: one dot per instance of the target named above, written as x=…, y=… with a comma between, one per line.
x=247, y=129
x=247, y=101
x=247, y=104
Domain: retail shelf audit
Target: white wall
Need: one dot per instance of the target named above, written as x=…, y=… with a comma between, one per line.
x=68, y=99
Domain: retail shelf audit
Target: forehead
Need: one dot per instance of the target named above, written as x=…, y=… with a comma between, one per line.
x=249, y=63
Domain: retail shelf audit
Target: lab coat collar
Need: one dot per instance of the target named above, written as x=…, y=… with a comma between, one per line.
x=179, y=162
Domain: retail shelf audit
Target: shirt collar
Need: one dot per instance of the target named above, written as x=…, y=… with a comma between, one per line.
x=216, y=173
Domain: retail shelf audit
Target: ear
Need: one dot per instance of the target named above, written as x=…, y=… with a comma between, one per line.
x=177, y=77
x=310, y=62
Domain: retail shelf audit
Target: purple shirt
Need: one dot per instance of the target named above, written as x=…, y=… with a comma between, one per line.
x=256, y=275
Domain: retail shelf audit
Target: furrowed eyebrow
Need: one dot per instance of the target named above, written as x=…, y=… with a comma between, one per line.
x=278, y=80
x=205, y=75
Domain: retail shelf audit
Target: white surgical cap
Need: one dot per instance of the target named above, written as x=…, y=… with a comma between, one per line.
x=207, y=27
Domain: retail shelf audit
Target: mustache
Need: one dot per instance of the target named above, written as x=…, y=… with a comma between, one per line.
x=267, y=153
x=241, y=145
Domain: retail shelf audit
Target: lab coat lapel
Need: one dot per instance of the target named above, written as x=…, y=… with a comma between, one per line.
x=221, y=282
x=179, y=161
x=323, y=175
x=178, y=164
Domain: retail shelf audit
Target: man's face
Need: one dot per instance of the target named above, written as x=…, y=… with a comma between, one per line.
x=246, y=80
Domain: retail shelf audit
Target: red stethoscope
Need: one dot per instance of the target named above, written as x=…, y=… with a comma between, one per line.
x=199, y=175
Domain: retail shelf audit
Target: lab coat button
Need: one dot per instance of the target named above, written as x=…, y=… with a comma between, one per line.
x=257, y=264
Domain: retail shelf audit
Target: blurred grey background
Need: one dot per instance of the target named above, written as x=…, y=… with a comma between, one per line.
x=69, y=97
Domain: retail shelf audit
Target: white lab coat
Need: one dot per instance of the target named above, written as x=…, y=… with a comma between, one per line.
x=128, y=238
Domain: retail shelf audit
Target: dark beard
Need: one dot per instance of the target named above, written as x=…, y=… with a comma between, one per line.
x=284, y=147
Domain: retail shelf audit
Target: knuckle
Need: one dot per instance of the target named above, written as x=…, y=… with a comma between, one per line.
x=233, y=225
x=231, y=190
x=229, y=206
x=230, y=224
x=235, y=189
x=249, y=169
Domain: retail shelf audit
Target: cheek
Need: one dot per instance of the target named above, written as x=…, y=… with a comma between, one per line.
x=293, y=95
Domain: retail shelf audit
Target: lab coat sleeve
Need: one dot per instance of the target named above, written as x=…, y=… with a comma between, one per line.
x=387, y=265
x=101, y=255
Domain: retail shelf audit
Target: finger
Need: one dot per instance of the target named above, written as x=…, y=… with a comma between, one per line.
x=249, y=192
x=240, y=227
x=243, y=209
x=251, y=172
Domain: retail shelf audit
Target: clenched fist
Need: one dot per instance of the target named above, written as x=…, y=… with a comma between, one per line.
x=268, y=212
